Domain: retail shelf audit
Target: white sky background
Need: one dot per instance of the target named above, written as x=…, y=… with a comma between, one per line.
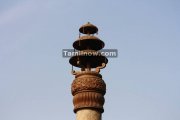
x=143, y=83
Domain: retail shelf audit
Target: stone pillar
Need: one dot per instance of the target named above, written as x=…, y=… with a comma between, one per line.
x=88, y=88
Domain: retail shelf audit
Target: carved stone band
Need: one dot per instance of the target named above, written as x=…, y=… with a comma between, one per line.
x=91, y=100
x=90, y=83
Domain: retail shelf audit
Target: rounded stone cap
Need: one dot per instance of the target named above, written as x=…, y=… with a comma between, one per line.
x=85, y=57
x=88, y=29
x=88, y=42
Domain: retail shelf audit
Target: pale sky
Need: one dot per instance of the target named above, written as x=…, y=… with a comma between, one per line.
x=143, y=82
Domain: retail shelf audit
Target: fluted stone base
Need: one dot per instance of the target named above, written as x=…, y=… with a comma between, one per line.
x=88, y=114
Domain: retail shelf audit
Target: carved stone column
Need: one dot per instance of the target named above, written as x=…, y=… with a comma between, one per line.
x=88, y=88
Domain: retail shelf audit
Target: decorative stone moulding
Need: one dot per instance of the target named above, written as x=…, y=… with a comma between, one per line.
x=88, y=88
x=88, y=83
x=90, y=100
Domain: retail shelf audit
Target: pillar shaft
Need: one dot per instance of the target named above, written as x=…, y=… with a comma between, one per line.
x=88, y=114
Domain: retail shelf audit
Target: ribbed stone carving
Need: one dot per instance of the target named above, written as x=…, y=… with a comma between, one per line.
x=88, y=84
x=90, y=100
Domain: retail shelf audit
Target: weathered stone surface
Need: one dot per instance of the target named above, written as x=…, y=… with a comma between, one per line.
x=87, y=114
x=90, y=100
x=88, y=90
x=88, y=84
